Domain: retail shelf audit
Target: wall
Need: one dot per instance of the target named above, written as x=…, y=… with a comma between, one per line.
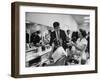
x=85, y=27
x=65, y=21
x=5, y=40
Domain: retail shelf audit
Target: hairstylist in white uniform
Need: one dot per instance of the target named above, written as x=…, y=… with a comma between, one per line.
x=80, y=46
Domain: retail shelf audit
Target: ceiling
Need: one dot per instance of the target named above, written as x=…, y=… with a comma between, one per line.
x=81, y=19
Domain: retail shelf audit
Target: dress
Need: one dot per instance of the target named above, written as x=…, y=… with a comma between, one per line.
x=80, y=43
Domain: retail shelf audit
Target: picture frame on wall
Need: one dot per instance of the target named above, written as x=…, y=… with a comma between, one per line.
x=53, y=39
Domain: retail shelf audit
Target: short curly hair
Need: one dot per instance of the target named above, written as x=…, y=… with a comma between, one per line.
x=83, y=32
x=56, y=24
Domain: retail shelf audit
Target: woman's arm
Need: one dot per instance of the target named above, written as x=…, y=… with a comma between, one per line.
x=51, y=52
x=80, y=48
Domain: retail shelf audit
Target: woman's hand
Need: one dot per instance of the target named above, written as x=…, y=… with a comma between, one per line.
x=69, y=44
x=72, y=43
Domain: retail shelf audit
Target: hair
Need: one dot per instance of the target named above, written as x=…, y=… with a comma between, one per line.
x=56, y=24
x=68, y=30
x=83, y=32
x=74, y=36
x=49, y=31
x=38, y=32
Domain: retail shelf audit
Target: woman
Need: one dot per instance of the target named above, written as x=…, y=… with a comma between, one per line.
x=80, y=46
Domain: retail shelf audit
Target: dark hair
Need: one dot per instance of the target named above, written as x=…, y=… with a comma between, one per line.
x=83, y=32
x=74, y=36
x=38, y=32
x=56, y=24
x=68, y=30
x=49, y=31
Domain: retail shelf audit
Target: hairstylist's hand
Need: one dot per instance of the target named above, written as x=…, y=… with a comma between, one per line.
x=70, y=43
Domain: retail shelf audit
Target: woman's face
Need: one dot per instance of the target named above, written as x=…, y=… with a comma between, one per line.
x=79, y=34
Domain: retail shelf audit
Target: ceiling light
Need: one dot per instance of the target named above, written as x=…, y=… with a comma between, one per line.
x=86, y=18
